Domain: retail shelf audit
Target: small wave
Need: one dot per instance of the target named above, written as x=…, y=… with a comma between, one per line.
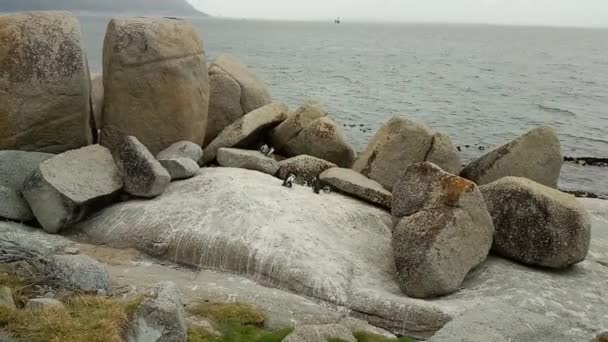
x=556, y=110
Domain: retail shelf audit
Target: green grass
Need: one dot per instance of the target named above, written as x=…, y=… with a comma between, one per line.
x=237, y=322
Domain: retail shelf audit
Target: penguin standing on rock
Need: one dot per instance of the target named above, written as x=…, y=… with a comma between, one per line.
x=289, y=180
x=316, y=185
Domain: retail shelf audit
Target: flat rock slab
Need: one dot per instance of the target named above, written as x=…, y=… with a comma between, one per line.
x=357, y=185
x=334, y=249
x=247, y=159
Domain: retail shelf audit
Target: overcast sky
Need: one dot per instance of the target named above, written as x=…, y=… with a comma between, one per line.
x=520, y=12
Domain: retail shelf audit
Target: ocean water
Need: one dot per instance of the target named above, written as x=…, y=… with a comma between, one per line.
x=484, y=85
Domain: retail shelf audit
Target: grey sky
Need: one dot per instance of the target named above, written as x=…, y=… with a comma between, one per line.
x=525, y=12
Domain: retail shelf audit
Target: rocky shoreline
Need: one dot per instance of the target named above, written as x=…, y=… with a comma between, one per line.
x=194, y=163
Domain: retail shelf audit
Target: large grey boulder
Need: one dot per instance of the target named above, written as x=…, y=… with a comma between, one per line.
x=318, y=333
x=13, y=206
x=295, y=123
x=181, y=149
x=235, y=91
x=143, y=175
x=45, y=83
x=329, y=247
x=160, y=317
x=246, y=130
x=79, y=273
x=305, y=167
x=180, y=168
x=16, y=166
x=156, y=82
x=400, y=143
x=445, y=232
x=322, y=139
x=357, y=185
x=536, y=224
x=247, y=159
x=97, y=99
x=535, y=155
x=68, y=187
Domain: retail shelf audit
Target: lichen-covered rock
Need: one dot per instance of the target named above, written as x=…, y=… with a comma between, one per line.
x=143, y=175
x=535, y=155
x=160, y=317
x=6, y=298
x=156, y=82
x=66, y=188
x=44, y=304
x=245, y=131
x=180, y=168
x=16, y=166
x=235, y=91
x=355, y=184
x=445, y=231
x=79, y=273
x=444, y=154
x=295, y=123
x=322, y=139
x=45, y=83
x=181, y=149
x=536, y=224
x=97, y=99
x=13, y=206
x=398, y=144
x=317, y=333
x=305, y=167
x=247, y=159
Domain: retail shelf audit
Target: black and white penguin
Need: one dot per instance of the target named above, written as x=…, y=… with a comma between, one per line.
x=316, y=185
x=264, y=149
x=326, y=189
x=289, y=180
x=270, y=152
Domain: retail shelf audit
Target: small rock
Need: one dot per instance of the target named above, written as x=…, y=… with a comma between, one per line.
x=296, y=122
x=245, y=131
x=66, y=188
x=305, y=167
x=180, y=168
x=44, y=304
x=143, y=175
x=71, y=250
x=6, y=298
x=79, y=273
x=247, y=159
x=318, y=333
x=323, y=139
x=13, y=206
x=182, y=149
x=160, y=317
x=535, y=155
x=356, y=184
x=536, y=224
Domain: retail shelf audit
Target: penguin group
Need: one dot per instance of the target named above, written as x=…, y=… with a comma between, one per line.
x=315, y=184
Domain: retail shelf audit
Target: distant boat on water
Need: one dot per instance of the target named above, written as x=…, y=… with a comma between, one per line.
x=337, y=21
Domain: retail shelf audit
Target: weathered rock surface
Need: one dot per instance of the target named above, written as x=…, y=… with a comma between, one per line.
x=13, y=206
x=246, y=130
x=16, y=166
x=79, y=272
x=445, y=233
x=45, y=83
x=44, y=304
x=181, y=149
x=235, y=91
x=355, y=184
x=247, y=159
x=535, y=155
x=97, y=99
x=329, y=247
x=143, y=175
x=322, y=139
x=536, y=224
x=317, y=333
x=160, y=317
x=156, y=82
x=500, y=322
x=68, y=187
x=295, y=123
x=6, y=298
x=180, y=168
x=305, y=167
x=400, y=143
